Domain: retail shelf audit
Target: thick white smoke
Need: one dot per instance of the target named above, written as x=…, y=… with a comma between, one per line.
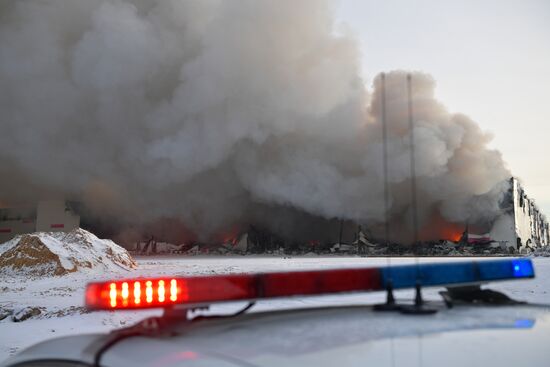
x=220, y=113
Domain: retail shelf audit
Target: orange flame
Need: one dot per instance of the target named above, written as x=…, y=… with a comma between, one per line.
x=452, y=234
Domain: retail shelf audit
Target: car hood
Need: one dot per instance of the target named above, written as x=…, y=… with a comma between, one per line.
x=501, y=336
x=347, y=336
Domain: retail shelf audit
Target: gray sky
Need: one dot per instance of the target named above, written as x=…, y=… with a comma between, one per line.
x=491, y=60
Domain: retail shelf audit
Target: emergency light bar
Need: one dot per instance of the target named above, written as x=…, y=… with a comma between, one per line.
x=201, y=290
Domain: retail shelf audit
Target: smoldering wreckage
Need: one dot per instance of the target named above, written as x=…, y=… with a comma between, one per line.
x=520, y=229
x=194, y=127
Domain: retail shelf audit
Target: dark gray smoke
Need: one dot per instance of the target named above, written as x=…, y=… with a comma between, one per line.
x=221, y=113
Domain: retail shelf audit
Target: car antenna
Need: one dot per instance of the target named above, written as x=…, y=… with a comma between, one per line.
x=390, y=304
x=418, y=307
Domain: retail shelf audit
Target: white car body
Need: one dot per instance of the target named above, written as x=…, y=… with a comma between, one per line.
x=503, y=336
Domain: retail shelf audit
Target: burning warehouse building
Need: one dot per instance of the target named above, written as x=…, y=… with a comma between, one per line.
x=522, y=226
x=519, y=228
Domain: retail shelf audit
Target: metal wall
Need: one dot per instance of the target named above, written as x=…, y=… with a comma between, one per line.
x=46, y=216
x=522, y=224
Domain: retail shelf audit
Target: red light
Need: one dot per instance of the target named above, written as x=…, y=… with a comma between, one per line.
x=173, y=290
x=162, y=292
x=112, y=294
x=137, y=293
x=149, y=291
x=124, y=294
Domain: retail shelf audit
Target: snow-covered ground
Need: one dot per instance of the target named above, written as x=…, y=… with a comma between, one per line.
x=61, y=298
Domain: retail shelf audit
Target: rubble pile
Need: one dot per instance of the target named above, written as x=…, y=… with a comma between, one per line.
x=257, y=241
x=59, y=253
x=542, y=251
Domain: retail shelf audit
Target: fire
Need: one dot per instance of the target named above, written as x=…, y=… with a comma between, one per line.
x=231, y=236
x=437, y=228
x=452, y=234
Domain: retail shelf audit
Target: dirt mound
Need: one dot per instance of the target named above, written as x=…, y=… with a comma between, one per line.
x=32, y=255
x=59, y=253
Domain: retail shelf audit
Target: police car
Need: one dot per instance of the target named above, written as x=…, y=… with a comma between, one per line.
x=471, y=326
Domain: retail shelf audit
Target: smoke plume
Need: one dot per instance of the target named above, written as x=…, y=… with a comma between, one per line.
x=223, y=113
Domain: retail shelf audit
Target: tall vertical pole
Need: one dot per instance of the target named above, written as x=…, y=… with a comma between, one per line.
x=418, y=307
x=390, y=304
x=413, y=168
x=385, y=161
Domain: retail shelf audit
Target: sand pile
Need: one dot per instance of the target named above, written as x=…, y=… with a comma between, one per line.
x=60, y=253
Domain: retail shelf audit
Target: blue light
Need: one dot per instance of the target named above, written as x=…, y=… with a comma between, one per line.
x=523, y=268
x=524, y=323
x=406, y=276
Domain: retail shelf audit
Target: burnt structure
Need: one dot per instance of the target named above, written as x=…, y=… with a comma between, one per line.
x=521, y=226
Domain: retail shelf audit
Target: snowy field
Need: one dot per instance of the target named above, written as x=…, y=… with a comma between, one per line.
x=61, y=298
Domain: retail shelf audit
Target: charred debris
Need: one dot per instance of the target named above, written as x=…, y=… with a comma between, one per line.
x=258, y=241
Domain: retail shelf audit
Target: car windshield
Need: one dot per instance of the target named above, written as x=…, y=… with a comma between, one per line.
x=206, y=162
